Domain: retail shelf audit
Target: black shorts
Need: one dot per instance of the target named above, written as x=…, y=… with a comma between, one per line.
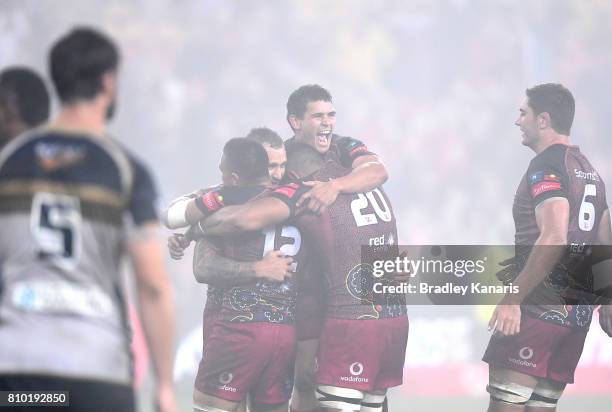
x=84, y=395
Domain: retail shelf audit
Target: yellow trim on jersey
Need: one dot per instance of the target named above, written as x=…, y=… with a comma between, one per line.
x=86, y=192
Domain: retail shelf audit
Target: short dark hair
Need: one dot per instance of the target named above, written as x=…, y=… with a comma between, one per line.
x=557, y=101
x=299, y=99
x=303, y=159
x=246, y=158
x=26, y=90
x=264, y=135
x=78, y=61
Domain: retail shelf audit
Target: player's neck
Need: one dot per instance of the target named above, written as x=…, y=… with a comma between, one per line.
x=256, y=182
x=88, y=117
x=549, y=139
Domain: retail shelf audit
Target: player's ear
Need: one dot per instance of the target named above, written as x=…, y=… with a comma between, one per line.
x=294, y=122
x=543, y=120
x=109, y=84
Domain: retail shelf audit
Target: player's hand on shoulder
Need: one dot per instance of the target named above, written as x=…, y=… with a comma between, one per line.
x=320, y=197
x=274, y=266
x=506, y=319
x=177, y=243
x=605, y=319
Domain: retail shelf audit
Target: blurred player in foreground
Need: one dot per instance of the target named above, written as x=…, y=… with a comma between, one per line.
x=560, y=210
x=24, y=102
x=69, y=194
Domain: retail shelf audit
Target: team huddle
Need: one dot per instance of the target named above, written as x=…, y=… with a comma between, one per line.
x=316, y=213
x=284, y=242
x=350, y=350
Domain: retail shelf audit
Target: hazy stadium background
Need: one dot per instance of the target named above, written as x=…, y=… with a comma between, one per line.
x=432, y=86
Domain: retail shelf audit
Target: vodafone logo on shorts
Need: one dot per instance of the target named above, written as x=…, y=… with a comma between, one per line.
x=224, y=379
x=525, y=355
x=356, y=369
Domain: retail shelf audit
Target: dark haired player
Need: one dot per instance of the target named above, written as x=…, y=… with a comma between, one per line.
x=251, y=346
x=66, y=192
x=312, y=118
x=353, y=373
x=24, y=102
x=559, y=210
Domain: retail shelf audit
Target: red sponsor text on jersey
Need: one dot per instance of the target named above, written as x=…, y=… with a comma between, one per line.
x=545, y=186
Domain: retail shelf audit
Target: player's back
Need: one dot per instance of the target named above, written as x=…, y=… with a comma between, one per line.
x=356, y=229
x=64, y=197
x=264, y=300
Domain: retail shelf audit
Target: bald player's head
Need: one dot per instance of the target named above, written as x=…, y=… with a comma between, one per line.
x=303, y=160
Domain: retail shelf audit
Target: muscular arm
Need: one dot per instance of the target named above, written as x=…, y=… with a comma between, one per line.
x=552, y=216
x=174, y=217
x=367, y=174
x=156, y=302
x=209, y=266
x=251, y=216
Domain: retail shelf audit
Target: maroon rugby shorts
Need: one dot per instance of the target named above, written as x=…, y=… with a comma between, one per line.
x=362, y=354
x=541, y=349
x=249, y=357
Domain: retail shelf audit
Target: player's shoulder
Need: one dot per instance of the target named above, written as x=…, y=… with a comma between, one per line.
x=288, y=190
x=345, y=141
x=553, y=160
x=233, y=195
x=59, y=154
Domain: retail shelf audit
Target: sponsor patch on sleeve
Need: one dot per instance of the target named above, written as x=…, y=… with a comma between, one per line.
x=358, y=149
x=543, y=187
x=287, y=190
x=536, y=177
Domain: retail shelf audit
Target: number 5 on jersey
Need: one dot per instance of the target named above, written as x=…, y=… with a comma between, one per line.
x=55, y=224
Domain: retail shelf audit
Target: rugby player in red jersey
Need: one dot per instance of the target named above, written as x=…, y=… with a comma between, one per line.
x=249, y=349
x=312, y=117
x=559, y=210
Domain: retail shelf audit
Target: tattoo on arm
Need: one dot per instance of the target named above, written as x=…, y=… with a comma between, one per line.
x=209, y=266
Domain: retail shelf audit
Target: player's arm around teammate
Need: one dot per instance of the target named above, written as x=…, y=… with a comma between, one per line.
x=211, y=267
x=368, y=172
